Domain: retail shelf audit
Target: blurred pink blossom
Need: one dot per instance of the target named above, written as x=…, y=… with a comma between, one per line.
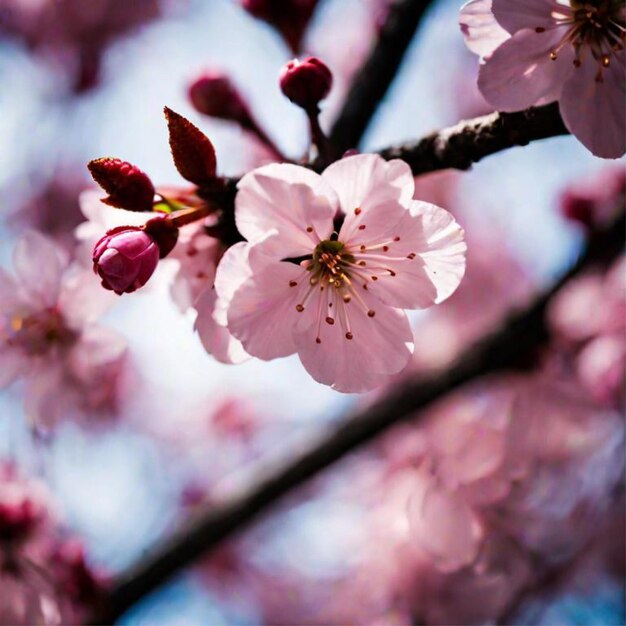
x=49, y=336
x=550, y=50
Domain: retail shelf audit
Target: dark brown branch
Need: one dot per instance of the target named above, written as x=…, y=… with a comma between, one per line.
x=521, y=333
x=373, y=80
x=469, y=141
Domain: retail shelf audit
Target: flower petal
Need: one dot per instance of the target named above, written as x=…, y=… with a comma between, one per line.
x=232, y=272
x=380, y=346
x=286, y=199
x=365, y=182
x=514, y=15
x=520, y=72
x=39, y=266
x=262, y=312
x=12, y=364
x=480, y=29
x=422, y=261
x=595, y=111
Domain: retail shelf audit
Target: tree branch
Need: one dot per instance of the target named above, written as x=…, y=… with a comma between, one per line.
x=520, y=334
x=373, y=79
x=469, y=141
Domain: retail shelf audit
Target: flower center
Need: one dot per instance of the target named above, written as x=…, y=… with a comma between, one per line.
x=37, y=333
x=596, y=27
x=331, y=263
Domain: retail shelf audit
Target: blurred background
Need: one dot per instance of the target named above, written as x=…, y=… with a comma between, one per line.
x=487, y=543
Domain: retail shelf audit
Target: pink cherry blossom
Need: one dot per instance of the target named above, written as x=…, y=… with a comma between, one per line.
x=48, y=334
x=538, y=51
x=336, y=298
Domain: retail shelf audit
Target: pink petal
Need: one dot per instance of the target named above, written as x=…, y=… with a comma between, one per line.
x=595, y=112
x=520, y=72
x=12, y=364
x=444, y=526
x=9, y=292
x=216, y=338
x=425, y=266
x=232, y=272
x=262, y=312
x=39, y=267
x=82, y=299
x=514, y=15
x=381, y=345
x=286, y=199
x=98, y=346
x=367, y=182
x=480, y=29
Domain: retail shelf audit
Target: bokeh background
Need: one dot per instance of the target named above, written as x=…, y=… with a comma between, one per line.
x=125, y=483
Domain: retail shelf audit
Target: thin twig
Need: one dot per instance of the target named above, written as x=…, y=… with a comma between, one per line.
x=521, y=333
x=373, y=79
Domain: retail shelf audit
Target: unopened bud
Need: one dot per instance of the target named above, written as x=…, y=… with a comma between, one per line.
x=214, y=94
x=18, y=518
x=306, y=82
x=289, y=17
x=126, y=257
x=128, y=187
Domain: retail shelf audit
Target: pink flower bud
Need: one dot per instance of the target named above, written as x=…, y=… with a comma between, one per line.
x=125, y=258
x=214, y=94
x=306, y=82
x=289, y=17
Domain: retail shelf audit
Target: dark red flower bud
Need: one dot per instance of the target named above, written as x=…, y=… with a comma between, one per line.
x=126, y=257
x=306, y=82
x=289, y=17
x=193, y=152
x=214, y=94
x=18, y=518
x=128, y=187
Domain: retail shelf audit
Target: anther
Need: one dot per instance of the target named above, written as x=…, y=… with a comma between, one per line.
x=347, y=298
x=374, y=277
x=553, y=55
x=312, y=281
x=371, y=313
x=385, y=248
x=606, y=61
x=318, y=340
x=411, y=256
x=362, y=227
x=349, y=335
x=540, y=29
x=330, y=320
x=363, y=248
x=396, y=238
x=391, y=272
x=309, y=229
x=362, y=263
x=357, y=211
x=299, y=308
x=293, y=283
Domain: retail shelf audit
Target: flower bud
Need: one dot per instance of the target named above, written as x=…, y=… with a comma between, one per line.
x=126, y=257
x=306, y=82
x=289, y=17
x=214, y=94
x=18, y=518
x=128, y=187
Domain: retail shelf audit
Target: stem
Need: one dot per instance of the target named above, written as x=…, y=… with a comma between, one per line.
x=318, y=138
x=188, y=216
x=521, y=333
x=253, y=127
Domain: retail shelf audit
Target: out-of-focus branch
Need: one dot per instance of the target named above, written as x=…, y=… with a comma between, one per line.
x=374, y=78
x=469, y=141
x=522, y=332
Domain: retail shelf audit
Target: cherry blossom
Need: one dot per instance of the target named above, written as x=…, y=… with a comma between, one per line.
x=334, y=294
x=544, y=50
x=48, y=334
